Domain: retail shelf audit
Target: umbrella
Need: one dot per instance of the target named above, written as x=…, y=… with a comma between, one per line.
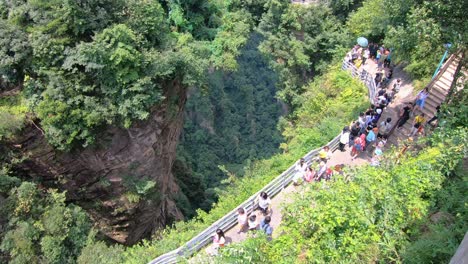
x=362, y=42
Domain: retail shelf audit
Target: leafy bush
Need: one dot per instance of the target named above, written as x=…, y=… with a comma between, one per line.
x=12, y=115
x=42, y=227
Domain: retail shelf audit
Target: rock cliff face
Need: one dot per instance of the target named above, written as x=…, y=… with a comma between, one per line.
x=96, y=177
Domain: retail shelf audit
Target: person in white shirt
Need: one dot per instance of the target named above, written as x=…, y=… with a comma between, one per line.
x=264, y=203
x=253, y=223
x=365, y=56
x=218, y=241
x=344, y=138
x=397, y=86
x=241, y=220
x=300, y=170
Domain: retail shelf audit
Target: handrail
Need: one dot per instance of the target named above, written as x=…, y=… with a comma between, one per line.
x=365, y=77
x=273, y=188
x=443, y=69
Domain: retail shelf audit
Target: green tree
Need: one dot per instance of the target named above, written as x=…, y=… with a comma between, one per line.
x=43, y=227
x=230, y=123
x=97, y=63
x=300, y=40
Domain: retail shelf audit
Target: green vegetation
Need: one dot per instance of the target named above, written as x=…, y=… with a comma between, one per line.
x=42, y=227
x=230, y=124
x=88, y=65
x=300, y=43
x=12, y=116
x=82, y=66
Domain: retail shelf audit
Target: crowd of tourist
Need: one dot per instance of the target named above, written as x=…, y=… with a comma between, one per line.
x=368, y=134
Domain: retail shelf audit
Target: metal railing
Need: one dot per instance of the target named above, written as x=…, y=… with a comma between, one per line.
x=273, y=188
x=364, y=76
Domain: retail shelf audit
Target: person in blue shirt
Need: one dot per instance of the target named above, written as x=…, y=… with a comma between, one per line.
x=371, y=137
x=266, y=227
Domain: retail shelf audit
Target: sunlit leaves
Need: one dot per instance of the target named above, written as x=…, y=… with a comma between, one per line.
x=232, y=36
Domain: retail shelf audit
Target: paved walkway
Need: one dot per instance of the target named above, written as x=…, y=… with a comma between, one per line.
x=284, y=198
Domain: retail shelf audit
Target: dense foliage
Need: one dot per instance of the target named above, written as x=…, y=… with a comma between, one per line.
x=230, y=124
x=300, y=42
x=85, y=65
x=41, y=227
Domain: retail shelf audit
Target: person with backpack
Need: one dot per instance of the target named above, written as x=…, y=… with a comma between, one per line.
x=266, y=227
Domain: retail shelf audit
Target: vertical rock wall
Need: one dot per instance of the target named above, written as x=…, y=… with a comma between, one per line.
x=97, y=177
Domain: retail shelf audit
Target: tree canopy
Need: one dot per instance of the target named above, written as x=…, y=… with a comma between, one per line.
x=88, y=64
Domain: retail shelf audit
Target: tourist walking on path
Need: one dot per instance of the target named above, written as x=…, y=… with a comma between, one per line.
x=388, y=59
x=344, y=138
x=375, y=161
x=310, y=174
x=300, y=169
x=321, y=171
x=241, y=220
x=397, y=86
x=359, y=144
x=365, y=56
x=435, y=117
x=354, y=133
x=371, y=137
x=362, y=122
x=266, y=227
x=385, y=127
x=417, y=124
x=421, y=99
x=405, y=115
x=264, y=202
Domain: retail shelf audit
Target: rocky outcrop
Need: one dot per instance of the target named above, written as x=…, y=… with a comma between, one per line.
x=97, y=178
